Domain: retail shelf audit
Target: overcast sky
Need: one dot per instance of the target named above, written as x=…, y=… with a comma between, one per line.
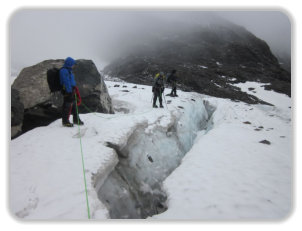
x=272, y=26
x=36, y=35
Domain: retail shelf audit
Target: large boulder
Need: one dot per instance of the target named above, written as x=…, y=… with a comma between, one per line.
x=41, y=107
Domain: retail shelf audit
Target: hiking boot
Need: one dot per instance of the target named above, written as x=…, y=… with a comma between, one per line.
x=67, y=124
x=161, y=106
x=80, y=122
x=155, y=106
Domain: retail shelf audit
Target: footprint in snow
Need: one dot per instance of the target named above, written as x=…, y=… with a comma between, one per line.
x=81, y=133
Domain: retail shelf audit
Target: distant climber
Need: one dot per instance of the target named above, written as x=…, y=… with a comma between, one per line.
x=172, y=80
x=69, y=90
x=158, y=89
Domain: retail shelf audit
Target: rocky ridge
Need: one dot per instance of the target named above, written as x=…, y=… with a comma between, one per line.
x=209, y=60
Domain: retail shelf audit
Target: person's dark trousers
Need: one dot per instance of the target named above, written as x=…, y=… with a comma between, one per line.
x=69, y=106
x=157, y=94
x=173, y=92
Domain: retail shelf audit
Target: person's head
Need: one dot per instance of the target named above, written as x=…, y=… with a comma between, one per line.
x=173, y=71
x=69, y=62
x=161, y=73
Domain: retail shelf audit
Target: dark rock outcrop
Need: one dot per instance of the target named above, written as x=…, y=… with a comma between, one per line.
x=34, y=105
x=17, y=111
x=208, y=59
x=265, y=142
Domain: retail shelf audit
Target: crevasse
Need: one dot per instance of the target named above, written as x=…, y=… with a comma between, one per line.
x=133, y=189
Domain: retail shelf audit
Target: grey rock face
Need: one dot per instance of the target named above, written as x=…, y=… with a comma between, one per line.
x=17, y=110
x=92, y=87
x=41, y=107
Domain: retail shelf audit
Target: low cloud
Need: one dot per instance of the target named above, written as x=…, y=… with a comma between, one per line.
x=36, y=35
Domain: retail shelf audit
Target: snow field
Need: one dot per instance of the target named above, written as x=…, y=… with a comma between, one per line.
x=226, y=173
x=46, y=176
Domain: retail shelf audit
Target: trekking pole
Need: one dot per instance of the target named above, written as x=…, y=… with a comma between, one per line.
x=165, y=99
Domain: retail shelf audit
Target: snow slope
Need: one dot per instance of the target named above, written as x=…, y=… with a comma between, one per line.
x=226, y=174
x=46, y=179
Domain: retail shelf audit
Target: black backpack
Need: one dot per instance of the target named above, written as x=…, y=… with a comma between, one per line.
x=169, y=77
x=53, y=79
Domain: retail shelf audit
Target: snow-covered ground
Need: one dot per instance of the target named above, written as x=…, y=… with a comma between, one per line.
x=226, y=173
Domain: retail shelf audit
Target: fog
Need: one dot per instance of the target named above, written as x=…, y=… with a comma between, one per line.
x=272, y=26
x=36, y=35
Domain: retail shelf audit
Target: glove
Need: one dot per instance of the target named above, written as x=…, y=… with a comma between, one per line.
x=163, y=89
x=152, y=89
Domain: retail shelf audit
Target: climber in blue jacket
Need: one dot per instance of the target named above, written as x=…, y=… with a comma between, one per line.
x=68, y=85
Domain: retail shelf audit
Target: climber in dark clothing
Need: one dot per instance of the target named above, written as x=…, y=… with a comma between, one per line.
x=68, y=84
x=172, y=79
x=158, y=89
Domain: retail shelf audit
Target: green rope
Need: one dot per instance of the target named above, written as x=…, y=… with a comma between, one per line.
x=87, y=202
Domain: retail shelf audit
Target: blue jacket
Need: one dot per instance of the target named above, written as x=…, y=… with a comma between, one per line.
x=66, y=75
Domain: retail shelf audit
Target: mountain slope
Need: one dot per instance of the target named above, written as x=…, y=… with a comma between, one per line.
x=208, y=58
